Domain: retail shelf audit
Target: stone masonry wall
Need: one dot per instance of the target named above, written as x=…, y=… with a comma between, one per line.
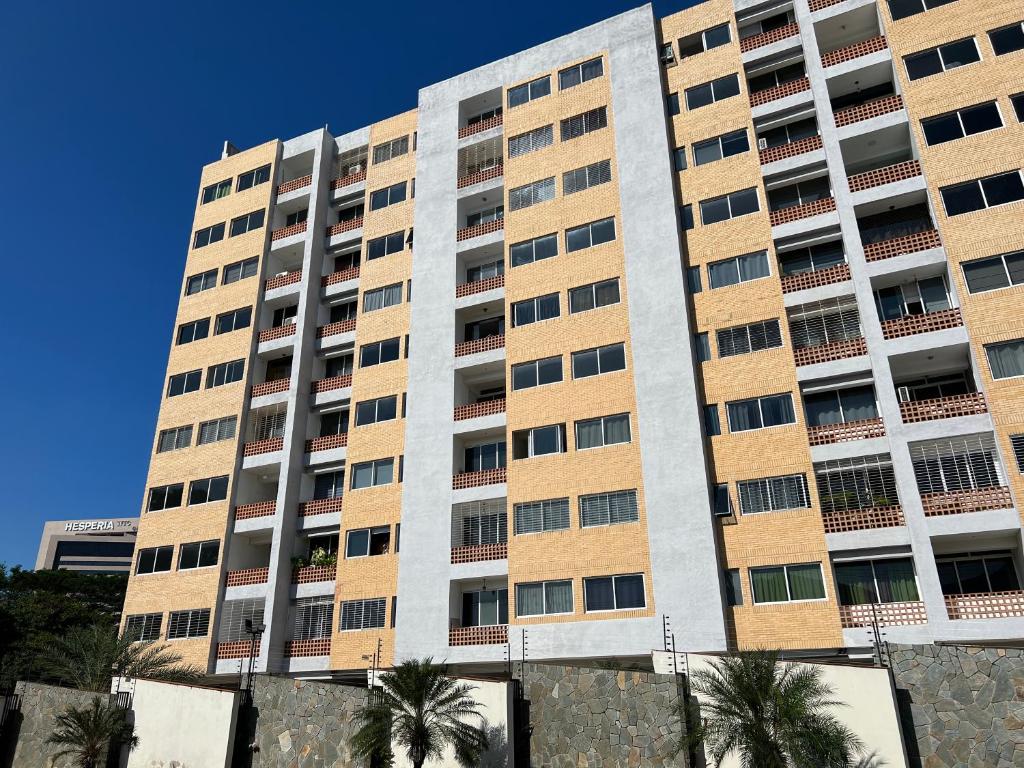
x=961, y=705
x=600, y=718
x=40, y=705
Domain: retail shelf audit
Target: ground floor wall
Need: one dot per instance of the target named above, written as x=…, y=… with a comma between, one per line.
x=29, y=726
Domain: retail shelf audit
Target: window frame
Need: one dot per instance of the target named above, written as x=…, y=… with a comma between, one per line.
x=630, y=493
x=604, y=431
x=1001, y=257
x=616, y=608
x=376, y=403
x=196, y=619
x=529, y=86
x=589, y=227
x=380, y=348
x=531, y=433
x=598, y=351
x=535, y=304
x=175, y=433
x=535, y=364
x=186, y=379
x=177, y=488
x=401, y=143
x=202, y=277
x=544, y=598
x=529, y=195
x=259, y=176
x=375, y=466
x=252, y=221
x=957, y=113
x=390, y=192
x=789, y=592
x=215, y=191
x=208, y=236
x=553, y=514
x=226, y=369
x=155, y=557
x=767, y=492
x=592, y=288
x=243, y=267
x=719, y=141
x=1000, y=344
x=195, y=486
x=760, y=409
x=579, y=70
x=728, y=197
x=202, y=547
x=533, y=140
x=981, y=188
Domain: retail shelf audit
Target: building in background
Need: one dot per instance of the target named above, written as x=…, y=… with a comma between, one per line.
x=91, y=546
x=710, y=328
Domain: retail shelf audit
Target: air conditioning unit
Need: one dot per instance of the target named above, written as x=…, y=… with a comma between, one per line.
x=289, y=321
x=280, y=274
x=353, y=169
x=762, y=143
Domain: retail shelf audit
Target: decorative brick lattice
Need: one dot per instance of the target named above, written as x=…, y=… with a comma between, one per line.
x=335, y=382
x=256, y=509
x=291, y=186
x=480, y=345
x=960, y=502
x=843, y=520
x=779, y=91
x=910, y=325
x=479, y=553
x=473, y=410
x=269, y=388
x=862, y=429
x=767, y=38
x=269, y=334
x=869, y=109
x=855, y=51
x=479, y=286
x=494, y=635
x=247, y=576
x=792, y=149
x=333, y=329
x=340, y=277
x=320, y=506
x=886, y=614
x=279, y=281
x=985, y=605
x=352, y=178
x=804, y=211
x=294, y=229
x=327, y=443
x=237, y=649
x=297, y=648
x=476, y=479
x=480, y=127
x=344, y=226
x=817, y=5
x=256, y=447
x=801, y=282
x=897, y=246
x=467, y=233
x=882, y=176
x=311, y=574
x=943, y=407
x=480, y=176
x=836, y=350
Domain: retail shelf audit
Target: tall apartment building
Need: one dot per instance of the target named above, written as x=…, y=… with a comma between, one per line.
x=709, y=323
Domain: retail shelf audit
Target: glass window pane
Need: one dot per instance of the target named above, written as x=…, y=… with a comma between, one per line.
x=768, y=585
x=1003, y=189
x=1002, y=575
x=923, y=64
x=549, y=370
x=589, y=434
x=743, y=202
x=1007, y=39
x=584, y=364
x=959, y=53
x=962, y=198
x=598, y=594
x=612, y=358
x=358, y=544
x=713, y=211
x=629, y=592
x=706, y=152
x=896, y=582
x=362, y=475
x=546, y=440
x=984, y=117
x=805, y=582
x=855, y=583
x=529, y=599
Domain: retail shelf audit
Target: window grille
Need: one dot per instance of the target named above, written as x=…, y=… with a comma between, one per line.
x=479, y=522
x=537, y=516
x=314, y=618
x=362, y=614
x=233, y=614
x=824, y=322
x=608, y=508
x=143, y=626
x=192, y=623
x=771, y=494
x=268, y=422
x=864, y=482
x=480, y=157
x=959, y=463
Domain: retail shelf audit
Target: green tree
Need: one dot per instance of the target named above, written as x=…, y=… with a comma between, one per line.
x=85, y=734
x=422, y=711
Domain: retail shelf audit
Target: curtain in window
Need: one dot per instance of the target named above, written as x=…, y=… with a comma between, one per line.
x=823, y=409
x=629, y=592
x=753, y=266
x=896, y=582
x=744, y=415
x=777, y=410
x=722, y=273
x=559, y=596
x=599, y=594
x=530, y=599
x=616, y=429
x=393, y=295
x=373, y=300
x=589, y=434
x=855, y=584
x=1006, y=359
x=769, y=585
x=859, y=404
x=805, y=582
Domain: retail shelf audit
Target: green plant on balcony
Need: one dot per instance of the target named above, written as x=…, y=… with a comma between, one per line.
x=321, y=558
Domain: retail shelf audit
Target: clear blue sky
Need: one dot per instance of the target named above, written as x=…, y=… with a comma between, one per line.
x=107, y=113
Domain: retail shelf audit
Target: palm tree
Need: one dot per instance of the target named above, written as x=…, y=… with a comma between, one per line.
x=771, y=715
x=423, y=711
x=85, y=734
x=88, y=657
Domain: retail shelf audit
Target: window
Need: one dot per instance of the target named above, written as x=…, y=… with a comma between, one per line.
x=586, y=177
x=962, y=122
x=485, y=215
x=733, y=587
x=608, y=509
x=382, y=198
x=198, y=554
x=329, y=485
x=1007, y=39
x=233, y=321
x=686, y=217
x=208, y=489
x=174, y=439
x=790, y=132
x=296, y=218
x=994, y=272
x=536, y=373
x=539, y=441
x=485, y=271
x=240, y=270
x=533, y=250
x=1017, y=100
x=702, y=347
x=531, y=194
x=721, y=503
x=594, y=295
x=154, y=560
x=812, y=259
x=362, y=614
x=479, y=522
x=182, y=383
x=371, y=473
x=982, y=193
x=379, y=298
x=253, y=178
x=373, y=411
x=726, y=145
x=539, y=516
x=760, y=412
x=544, y=598
x=485, y=608
x=385, y=246
x=201, y=282
x=800, y=193
x=772, y=494
x=219, y=190
x=672, y=104
x=165, y=497
x=591, y=362
x=233, y=615
x=614, y=593
x=864, y=482
x=225, y=373
x=942, y=59
x=954, y=464
x=1017, y=443
x=606, y=430
x=368, y=542
x=739, y=269
x=824, y=322
x=776, y=77
x=143, y=627
x=864, y=582
x=189, y=332
x=787, y=583
x=580, y=73
x=480, y=117
x=390, y=149
x=531, y=141
x=314, y=618
x=744, y=339
x=584, y=123
x=679, y=158
x=535, y=310
x=972, y=573
x=693, y=281
x=247, y=223
x=594, y=233
x=534, y=89
x=712, y=422
x=204, y=237
x=1006, y=359
x=900, y=9
x=841, y=406
x=480, y=458
x=708, y=93
x=378, y=352
x=192, y=623
x=691, y=45
x=217, y=429
x=729, y=206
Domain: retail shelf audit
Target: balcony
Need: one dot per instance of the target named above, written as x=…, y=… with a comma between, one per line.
x=985, y=605
x=909, y=325
x=949, y=407
x=835, y=350
x=312, y=574
x=344, y=226
x=962, y=502
x=868, y=110
x=480, y=553
x=480, y=126
x=884, y=614
x=247, y=576
x=320, y=506
x=862, y=429
x=283, y=232
x=269, y=388
x=256, y=509
x=237, y=649
x=480, y=176
x=854, y=51
x=333, y=329
x=802, y=211
x=792, y=149
x=327, y=443
x=476, y=230
x=767, y=38
x=897, y=246
x=479, y=478
x=348, y=179
x=496, y=634
x=295, y=649
x=268, y=445
x=340, y=277
x=290, y=186
x=279, y=281
x=845, y=520
x=463, y=348
x=327, y=385
x=818, y=277
x=479, y=286
x=757, y=98
x=278, y=332
x=818, y=5
x=890, y=174
x=475, y=410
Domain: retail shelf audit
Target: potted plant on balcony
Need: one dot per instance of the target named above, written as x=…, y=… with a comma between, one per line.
x=321, y=558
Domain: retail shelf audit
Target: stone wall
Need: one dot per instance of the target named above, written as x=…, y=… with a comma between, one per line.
x=26, y=734
x=589, y=718
x=961, y=705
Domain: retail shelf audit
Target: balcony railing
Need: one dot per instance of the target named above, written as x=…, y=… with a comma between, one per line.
x=237, y=649
x=862, y=429
x=779, y=91
x=910, y=325
x=885, y=614
x=334, y=382
x=986, y=605
x=352, y=178
x=482, y=477
x=473, y=410
x=344, y=226
x=256, y=447
x=278, y=281
x=477, y=177
x=835, y=350
x=467, y=233
x=247, y=576
x=493, y=635
x=256, y=509
x=800, y=282
x=311, y=574
x=290, y=186
x=948, y=407
x=802, y=211
x=961, y=502
x=339, y=277
x=294, y=229
x=867, y=110
x=480, y=345
x=854, y=51
x=333, y=329
x=897, y=246
x=320, y=506
x=327, y=443
x=769, y=37
x=843, y=520
x=294, y=649
x=479, y=553
x=817, y=5
x=279, y=332
x=480, y=126
x=269, y=387
x=792, y=149
x=479, y=286
x=882, y=176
